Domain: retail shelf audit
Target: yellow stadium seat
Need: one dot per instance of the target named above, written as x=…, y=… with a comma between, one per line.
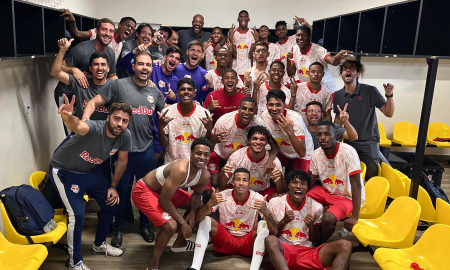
x=14, y=237
x=396, y=228
x=379, y=169
x=21, y=257
x=384, y=141
x=405, y=133
x=440, y=130
x=442, y=212
x=363, y=171
x=430, y=252
x=377, y=189
x=396, y=185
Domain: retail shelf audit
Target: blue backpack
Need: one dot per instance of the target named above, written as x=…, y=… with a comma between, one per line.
x=28, y=209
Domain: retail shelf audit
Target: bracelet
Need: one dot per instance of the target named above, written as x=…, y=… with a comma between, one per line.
x=111, y=186
x=389, y=96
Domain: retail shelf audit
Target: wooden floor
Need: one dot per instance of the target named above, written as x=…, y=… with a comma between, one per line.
x=137, y=252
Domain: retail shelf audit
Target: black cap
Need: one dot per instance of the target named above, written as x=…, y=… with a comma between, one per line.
x=167, y=29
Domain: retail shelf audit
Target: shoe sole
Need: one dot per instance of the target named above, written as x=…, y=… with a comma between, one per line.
x=103, y=253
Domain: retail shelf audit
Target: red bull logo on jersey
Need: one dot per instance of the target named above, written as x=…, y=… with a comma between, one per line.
x=186, y=137
x=142, y=110
x=150, y=99
x=282, y=143
x=112, y=152
x=188, y=76
x=214, y=63
x=185, y=124
x=212, y=167
x=333, y=181
x=294, y=234
x=239, y=212
x=162, y=83
x=75, y=188
x=233, y=146
x=205, y=87
x=85, y=155
x=277, y=130
x=242, y=46
x=237, y=225
x=166, y=216
x=303, y=71
x=100, y=108
x=255, y=182
x=284, y=57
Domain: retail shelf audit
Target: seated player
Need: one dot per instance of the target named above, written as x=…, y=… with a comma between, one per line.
x=238, y=231
x=159, y=194
x=253, y=158
x=230, y=134
x=338, y=167
x=313, y=90
x=227, y=99
x=261, y=86
x=298, y=229
x=74, y=171
x=314, y=115
x=180, y=124
x=288, y=130
x=223, y=59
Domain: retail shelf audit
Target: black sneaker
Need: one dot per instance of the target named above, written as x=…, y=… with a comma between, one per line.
x=116, y=240
x=148, y=235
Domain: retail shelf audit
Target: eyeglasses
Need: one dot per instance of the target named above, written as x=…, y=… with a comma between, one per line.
x=314, y=111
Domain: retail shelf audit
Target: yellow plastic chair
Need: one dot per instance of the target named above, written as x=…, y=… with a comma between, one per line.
x=384, y=141
x=363, y=171
x=14, y=237
x=396, y=185
x=21, y=257
x=396, y=228
x=405, y=133
x=377, y=189
x=442, y=212
x=440, y=130
x=379, y=169
x=430, y=252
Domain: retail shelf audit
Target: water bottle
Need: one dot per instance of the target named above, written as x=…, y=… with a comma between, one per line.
x=50, y=226
x=344, y=232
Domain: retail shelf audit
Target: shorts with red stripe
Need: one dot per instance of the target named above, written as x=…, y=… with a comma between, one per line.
x=214, y=163
x=303, y=258
x=147, y=201
x=299, y=163
x=224, y=242
x=339, y=206
x=269, y=192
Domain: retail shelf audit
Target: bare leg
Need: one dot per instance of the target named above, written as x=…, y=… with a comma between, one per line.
x=168, y=229
x=336, y=254
x=328, y=226
x=275, y=252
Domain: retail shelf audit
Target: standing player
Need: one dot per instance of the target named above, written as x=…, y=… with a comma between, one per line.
x=238, y=231
x=182, y=123
x=261, y=87
x=242, y=39
x=274, y=51
x=285, y=43
x=173, y=40
x=298, y=230
x=159, y=194
x=260, y=70
x=222, y=58
x=253, y=158
x=74, y=171
x=144, y=100
x=191, y=69
x=289, y=131
x=227, y=99
x=211, y=46
x=313, y=90
x=194, y=33
x=338, y=167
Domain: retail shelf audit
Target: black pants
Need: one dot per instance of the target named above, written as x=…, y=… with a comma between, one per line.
x=369, y=154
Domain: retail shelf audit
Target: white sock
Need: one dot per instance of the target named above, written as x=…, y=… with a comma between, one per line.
x=201, y=242
x=258, y=246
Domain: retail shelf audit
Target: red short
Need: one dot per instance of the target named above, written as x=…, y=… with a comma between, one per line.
x=214, y=163
x=299, y=163
x=341, y=207
x=302, y=258
x=147, y=201
x=224, y=242
x=269, y=191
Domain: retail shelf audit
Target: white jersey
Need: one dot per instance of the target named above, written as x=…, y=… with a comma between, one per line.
x=114, y=44
x=315, y=53
x=262, y=93
x=254, y=77
x=238, y=219
x=217, y=79
x=182, y=131
x=296, y=232
x=282, y=139
x=335, y=171
x=243, y=42
x=305, y=95
x=285, y=48
x=259, y=180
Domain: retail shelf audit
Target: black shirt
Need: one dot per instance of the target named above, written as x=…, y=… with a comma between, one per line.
x=186, y=36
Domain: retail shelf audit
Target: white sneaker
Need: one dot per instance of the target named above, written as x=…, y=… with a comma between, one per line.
x=107, y=249
x=79, y=266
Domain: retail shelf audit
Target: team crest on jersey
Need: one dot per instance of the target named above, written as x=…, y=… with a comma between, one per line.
x=166, y=216
x=330, y=167
x=150, y=99
x=277, y=130
x=112, y=152
x=239, y=135
x=296, y=218
x=239, y=212
x=206, y=87
x=303, y=60
x=75, y=188
x=185, y=124
x=253, y=170
x=162, y=83
x=187, y=76
x=212, y=167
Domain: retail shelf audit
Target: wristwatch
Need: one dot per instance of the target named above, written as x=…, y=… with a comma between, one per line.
x=389, y=96
x=111, y=186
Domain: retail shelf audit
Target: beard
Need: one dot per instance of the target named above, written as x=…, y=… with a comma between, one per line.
x=111, y=129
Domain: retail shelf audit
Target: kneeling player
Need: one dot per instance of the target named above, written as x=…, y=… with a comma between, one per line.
x=236, y=233
x=299, y=218
x=158, y=195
